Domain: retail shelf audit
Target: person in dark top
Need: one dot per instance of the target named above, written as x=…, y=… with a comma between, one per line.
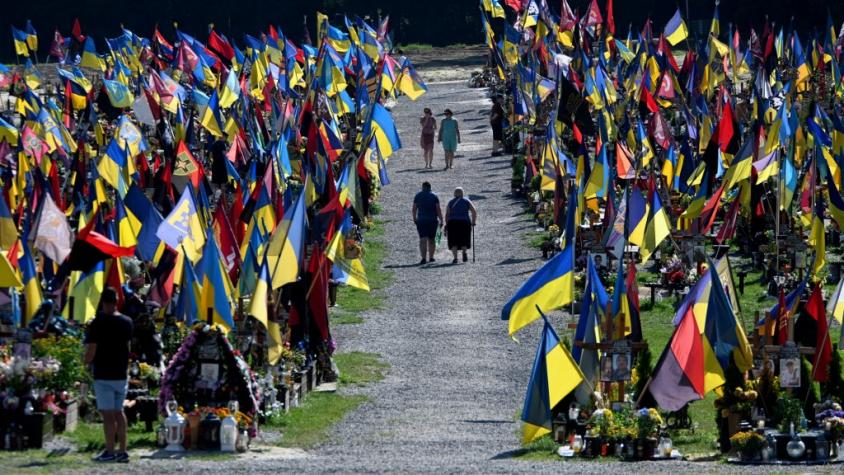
x=496, y=120
x=460, y=217
x=428, y=217
x=107, y=350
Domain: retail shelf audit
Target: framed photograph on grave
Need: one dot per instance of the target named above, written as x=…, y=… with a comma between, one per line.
x=770, y=364
x=606, y=367
x=209, y=373
x=790, y=372
x=600, y=259
x=621, y=366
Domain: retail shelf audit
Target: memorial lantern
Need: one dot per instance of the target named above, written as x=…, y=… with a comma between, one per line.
x=174, y=425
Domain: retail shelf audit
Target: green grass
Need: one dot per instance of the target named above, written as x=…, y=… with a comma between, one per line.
x=310, y=424
x=42, y=462
x=351, y=302
x=89, y=437
x=359, y=368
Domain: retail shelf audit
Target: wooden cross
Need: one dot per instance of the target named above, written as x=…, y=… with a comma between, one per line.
x=763, y=342
x=610, y=343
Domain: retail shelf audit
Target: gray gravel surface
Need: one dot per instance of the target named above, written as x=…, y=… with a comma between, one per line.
x=457, y=381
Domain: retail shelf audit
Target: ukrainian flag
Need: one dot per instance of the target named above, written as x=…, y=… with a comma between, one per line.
x=211, y=119
x=20, y=39
x=658, y=228
x=90, y=57
x=550, y=287
x=675, y=30
x=8, y=228
x=8, y=132
x=231, y=90
x=216, y=288
x=85, y=293
x=187, y=308
x=286, y=246
x=554, y=376
x=835, y=306
x=31, y=284
x=112, y=166
x=638, y=209
x=384, y=129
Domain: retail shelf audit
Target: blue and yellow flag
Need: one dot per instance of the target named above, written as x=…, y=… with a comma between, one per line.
x=216, y=291
x=112, y=167
x=118, y=94
x=550, y=287
x=554, y=376
x=287, y=244
x=182, y=230
x=31, y=283
x=675, y=30
x=19, y=37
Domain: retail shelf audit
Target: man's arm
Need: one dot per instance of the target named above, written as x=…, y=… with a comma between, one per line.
x=474, y=213
x=439, y=214
x=413, y=212
x=90, y=351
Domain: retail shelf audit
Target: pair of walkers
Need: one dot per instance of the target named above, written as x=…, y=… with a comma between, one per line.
x=460, y=217
x=449, y=136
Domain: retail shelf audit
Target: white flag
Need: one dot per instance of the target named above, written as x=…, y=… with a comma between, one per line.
x=53, y=236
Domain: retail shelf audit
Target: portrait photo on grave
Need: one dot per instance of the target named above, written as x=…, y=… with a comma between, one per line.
x=621, y=366
x=790, y=372
x=606, y=368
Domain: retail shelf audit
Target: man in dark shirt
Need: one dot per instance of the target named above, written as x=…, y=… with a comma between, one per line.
x=107, y=350
x=428, y=216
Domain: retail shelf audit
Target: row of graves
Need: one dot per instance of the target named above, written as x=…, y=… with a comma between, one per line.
x=634, y=229
x=226, y=209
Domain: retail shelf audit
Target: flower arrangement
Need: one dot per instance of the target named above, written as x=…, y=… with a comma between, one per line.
x=18, y=375
x=601, y=421
x=747, y=443
x=830, y=417
x=236, y=379
x=648, y=422
x=148, y=372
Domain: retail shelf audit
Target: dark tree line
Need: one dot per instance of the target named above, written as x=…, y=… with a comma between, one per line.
x=438, y=22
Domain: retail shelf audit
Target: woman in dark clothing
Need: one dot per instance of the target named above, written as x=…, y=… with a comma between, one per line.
x=460, y=216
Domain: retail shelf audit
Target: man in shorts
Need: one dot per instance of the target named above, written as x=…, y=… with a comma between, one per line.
x=428, y=217
x=107, y=350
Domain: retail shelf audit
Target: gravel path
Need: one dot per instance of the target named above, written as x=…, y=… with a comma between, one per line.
x=457, y=382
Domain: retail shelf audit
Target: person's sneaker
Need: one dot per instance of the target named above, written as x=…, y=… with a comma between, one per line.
x=454, y=261
x=423, y=261
x=105, y=457
x=465, y=257
x=122, y=457
x=431, y=259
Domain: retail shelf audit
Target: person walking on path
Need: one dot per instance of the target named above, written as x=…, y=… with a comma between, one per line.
x=496, y=121
x=460, y=217
x=107, y=349
x=429, y=128
x=450, y=137
x=428, y=217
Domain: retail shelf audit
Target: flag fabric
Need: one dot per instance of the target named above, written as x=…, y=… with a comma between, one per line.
x=554, y=376
x=118, y=94
x=182, y=230
x=835, y=305
x=215, y=288
x=8, y=228
x=91, y=247
x=20, y=39
x=678, y=375
x=550, y=287
x=113, y=166
x=52, y=234
x=285, y=249
x=8, y=276
x=675, y=29
x=823, y=341
x=31, y=283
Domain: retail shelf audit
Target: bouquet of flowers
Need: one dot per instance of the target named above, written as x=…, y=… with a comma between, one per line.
x=648, y=421
x=830, y=417
x=748, y=442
